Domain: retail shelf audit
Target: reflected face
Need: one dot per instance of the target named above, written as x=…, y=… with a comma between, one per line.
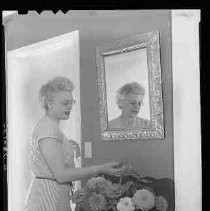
x=61, y=105
x=131, y=104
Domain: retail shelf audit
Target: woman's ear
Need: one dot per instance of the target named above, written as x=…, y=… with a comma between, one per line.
x=49, y=103
x=120, y=105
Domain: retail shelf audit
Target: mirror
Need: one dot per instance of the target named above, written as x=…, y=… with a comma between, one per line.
x=130, y=90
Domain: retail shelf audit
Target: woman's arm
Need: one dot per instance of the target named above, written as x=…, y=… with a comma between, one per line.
x=52, y=152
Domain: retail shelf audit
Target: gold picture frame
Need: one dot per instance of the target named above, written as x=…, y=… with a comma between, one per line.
x=132, y=58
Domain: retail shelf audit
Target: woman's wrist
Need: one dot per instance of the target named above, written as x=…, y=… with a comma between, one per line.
x=99, y=169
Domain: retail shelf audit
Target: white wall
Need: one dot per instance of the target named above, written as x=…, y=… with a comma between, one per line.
x=27, y=69
x=186, y=104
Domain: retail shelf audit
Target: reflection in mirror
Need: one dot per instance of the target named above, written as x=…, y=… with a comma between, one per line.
x=127, y=95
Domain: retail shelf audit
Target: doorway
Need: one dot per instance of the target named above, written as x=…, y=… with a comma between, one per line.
x=27, y=69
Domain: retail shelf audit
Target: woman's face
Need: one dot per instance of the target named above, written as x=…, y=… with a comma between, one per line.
x=131, y=104
x=61, y=105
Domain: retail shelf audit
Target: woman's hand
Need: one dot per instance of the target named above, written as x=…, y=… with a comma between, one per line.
x=113, y=168
x=76, y=148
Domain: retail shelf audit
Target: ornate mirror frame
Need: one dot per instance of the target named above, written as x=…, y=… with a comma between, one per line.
x=150, y=41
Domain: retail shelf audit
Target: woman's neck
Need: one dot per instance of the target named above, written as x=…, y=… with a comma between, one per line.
x=128, y=121
x=53, y=118
x=127, y=117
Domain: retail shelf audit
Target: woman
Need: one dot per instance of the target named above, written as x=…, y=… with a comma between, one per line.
x=52, y=154
x=129, y=100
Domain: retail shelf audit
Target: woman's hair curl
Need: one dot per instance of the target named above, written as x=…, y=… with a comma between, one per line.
x=133, y=88
x=57, y=84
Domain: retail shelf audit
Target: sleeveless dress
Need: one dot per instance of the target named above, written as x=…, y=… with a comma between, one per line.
x=136, y=123
x=45, y=193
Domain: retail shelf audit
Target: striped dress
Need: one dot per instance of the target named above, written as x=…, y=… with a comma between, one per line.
x=46, y=194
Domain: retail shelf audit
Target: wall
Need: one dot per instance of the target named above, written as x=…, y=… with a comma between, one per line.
x=187, y=110
x=153, y=157
x=28, y=69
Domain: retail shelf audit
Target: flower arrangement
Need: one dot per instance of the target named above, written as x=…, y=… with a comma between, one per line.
x=102, y=194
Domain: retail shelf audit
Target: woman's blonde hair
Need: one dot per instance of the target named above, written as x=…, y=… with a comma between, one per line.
x=57, y=84
x=133, y=87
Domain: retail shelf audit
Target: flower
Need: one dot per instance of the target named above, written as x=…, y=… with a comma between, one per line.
x=97, y=202
x=125, y=204
x=103, y=195
x=161, y=203
x=144, y=199
x=111, y=207
x=113, y=191
x=78, y=196
x=129, y=189
x=98, y=182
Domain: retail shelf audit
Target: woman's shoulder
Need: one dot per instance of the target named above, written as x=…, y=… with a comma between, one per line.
x=46, y=128
x=114, y=123
x=45, y=123
x=142, y=119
